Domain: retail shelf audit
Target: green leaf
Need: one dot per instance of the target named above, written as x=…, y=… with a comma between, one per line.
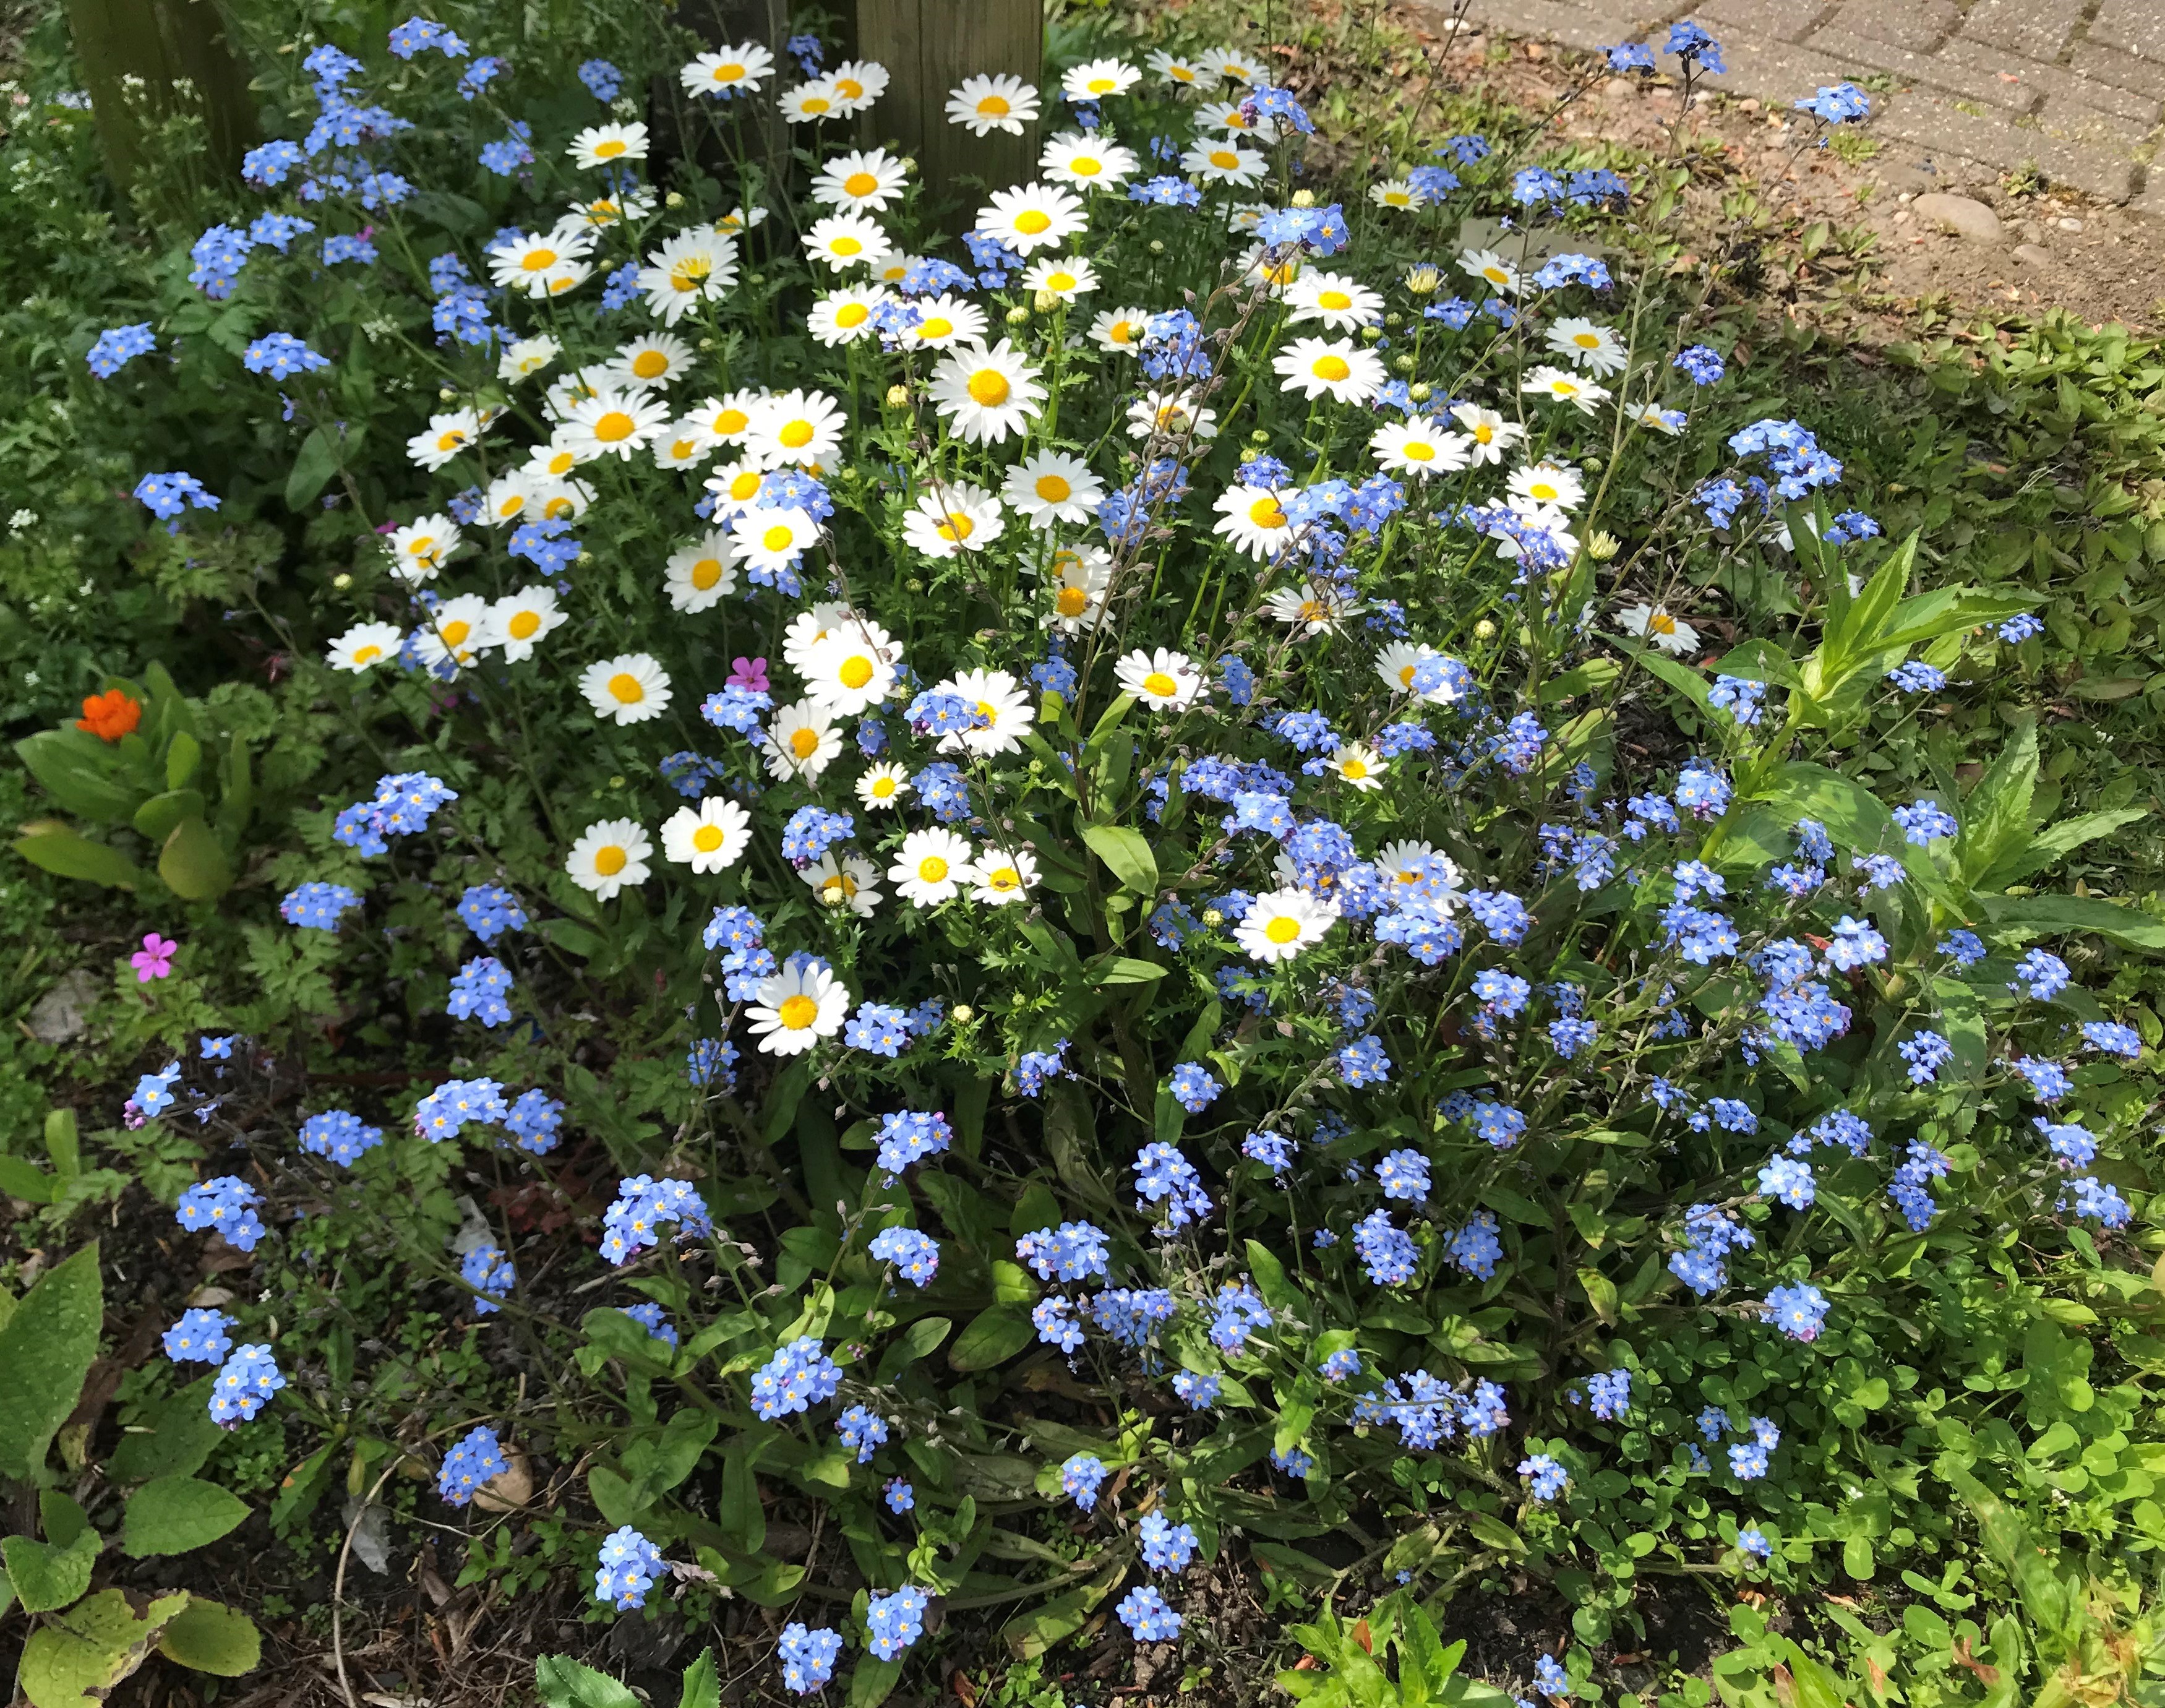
x=45, y=1350
x=1126, y=855
x=2039, y=914
x=161, y=815
x=183, y=760
x=64, y=1520
x=873, y=1680
x=313, y=468
x=75, y=1657
x=50, y=844
x=23, y=1179
x=1682, y=677
x=1759, y=660
x=46, y=1576
x=2042, y=849
x=63, y=1141
x=1995, y=814
x=703, y=1684
x=1495, y=1532
x=564, y=1683
x=1122, y=969
x=742, y=1518
x=210, y=1636
x=1272, y=1281
x=995, y=1335
x=1857, y=627
x=172, y=1514
x=75, y=768
x=180, y=1438
x=194, y=862
x=1857, y=1558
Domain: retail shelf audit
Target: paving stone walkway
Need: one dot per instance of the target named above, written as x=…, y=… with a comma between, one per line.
x=2073, y=88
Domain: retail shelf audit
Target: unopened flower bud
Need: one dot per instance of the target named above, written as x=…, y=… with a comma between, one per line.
x=964, y=1012
x=1213, y=918
x=1421, y=391
x=1045, y=301
x=1402, y=362
x=1304, y=199
x=1018, y=315
x=898, y=397
x=1484, y=630
x=1422, y=281
x=675, y=198
x=1603, y=545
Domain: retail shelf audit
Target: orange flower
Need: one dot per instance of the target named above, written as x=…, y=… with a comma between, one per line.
x=110, y=715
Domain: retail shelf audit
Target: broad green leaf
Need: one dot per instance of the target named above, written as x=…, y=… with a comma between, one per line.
x=77, y=770
x=45, y=1350
x=193, y=862
x=1126, y=855
x=874, y=1680
x=920, y=1340
x=210, y=1636
x=51, y=845
x=180, y=1438
x=1861, y=625
x=1687, y=680
x=314, y=467
x=64, y=1141
x=995, y=1335
x=561, y=1682
x=1122, y=969
x=161, y=815
x=1759, y=660
x=1995, y=815
x=183, y=760
x=1947, y=610
x=2042, y=914
x=46, y=1575
x=2045, y=848
x=172, y=1514
x=703, y=1684
x=1495, y=1532
x=1272, y=1281
x=739, y=1512
x=22, y=1178
x=74, y=1658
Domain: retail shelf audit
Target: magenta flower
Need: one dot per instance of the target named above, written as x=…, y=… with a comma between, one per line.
x=748, y=673
x=155, y=959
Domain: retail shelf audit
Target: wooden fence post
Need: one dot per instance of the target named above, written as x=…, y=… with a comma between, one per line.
x=161, y=42
x=927, y=47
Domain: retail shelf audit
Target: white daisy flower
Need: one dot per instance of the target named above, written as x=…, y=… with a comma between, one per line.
x=1172, y=414
x=809, y=102
x=944, y=321
x=559, y=500
x=1064, y=279
x=1400, y=661
x=952, y=518
x=521, y=621
x=988, y=395
x=1119, y=331
x=1277, y=269
x=602, y=211
x=795, y=1010
x=852, y=668
x=735, y=71
x=422, y=547
x=1086, y=160
x=1001, y=701
x=457, y=632
x=701, y=573
x=630, y=689
x=1052, y=487
x=983, y=105
x=930, y=866
x=857, y=83
x=1281, y=923
x=1032, y=217
x=609, y=855
x=740, y=219
x=713, y=838
x=808, y=629
x=446, y=436
x=1224, y=162
x=847, y=882
x=1487, y=433
x=1252, y=519
x=1314, y=608
x=1231, y=64
x=764, y=538
x=1338, y=302
x=1182, y=70
x=883, y=787
x=729, y=419
x=608, y=145
x=1164, y=680
x=1397, y=193
x=1654, y=415
x=684, y=445
x=695, y=266
x=509, y=497
x=1420, y=446
x=365, y=645
x=615, y=424
x=1096, y=79
x=526, y=264
x=1333, y=367
x=1597, y=349
x=841, y=240
x=796, y=429
x=653, y=361
x=1654, y=624
x=735, y=489
x=801, y=741
x=1548, y=483
x=1227, y=116
x=864, y=181
x=526, y=355
x=1487, y=265
x=1360, y=765
x=999, y=876
x=1404, y=865
x=1079, y=578
x=1546, y=381
x=845, y=315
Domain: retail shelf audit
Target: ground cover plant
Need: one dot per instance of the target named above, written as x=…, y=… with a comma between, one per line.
x=1058, y=912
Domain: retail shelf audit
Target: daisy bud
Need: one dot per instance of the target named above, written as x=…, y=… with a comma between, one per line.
x=1260, y=436
x=706, y=343
x=1603, y=546
x=1402, y=363
x=1422, y=281
x=1484, y=630
x=1157, y=246
x=964, y=1012
x=1304, y=199
x=1369, y=334
x=1044, y=302
x=1018, y=315
x=897, y=397
x=1421, y=391
x=342, y=579
x=445, y=393
x=910, y=163
x=915, y=585
x=1213, y=918
x=673, y=199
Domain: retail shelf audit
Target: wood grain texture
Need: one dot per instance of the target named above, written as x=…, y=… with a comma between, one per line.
x=929, y=46
x=161, y=41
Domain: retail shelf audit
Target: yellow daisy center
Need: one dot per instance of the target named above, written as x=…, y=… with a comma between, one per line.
x=1005, y=879
x=614, y=426
x=852, y=314
x=804, y=742
x=957, y=527
x=932, y=869
x=988, y=387
x=706, y=572
x=610, y=861
x=731, y=421
x=1224, y=159
x=797, y=1012
x=707, y=838
x=729, y=73
x=860, y=184
x=855, y=671
x=1033, y=220
x=1661, y=623
x=849, y=89
x=743, y=486
x=1333, y=299
x=1282, y=929
x=1354, y=768
x=1085, y=166
x=939, y=326
x=650, y=364
x=1071, y=601
x=1332, y=367
x=1159, y=684
x=625, y=688
x=609, y=149
x=1265, y=512
x=1587, y=340
x=524, y=625
x=847, y=245
x=454, y=633
x=1054, y=489
x=816, y=103
x=1102, y=85
x=1419, y=450
x=1060, y=282
x=777, y=538
x=367, y=655
x=539, y=261
x=994, y=106
x=796, y=436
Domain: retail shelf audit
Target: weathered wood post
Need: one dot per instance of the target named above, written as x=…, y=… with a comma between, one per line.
x=163, y=43
x=929, y=46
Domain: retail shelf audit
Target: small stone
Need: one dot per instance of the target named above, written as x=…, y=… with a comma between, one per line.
x=1962, y=215
x=2032, y=254
x=62, y=1015
x=2071, y=226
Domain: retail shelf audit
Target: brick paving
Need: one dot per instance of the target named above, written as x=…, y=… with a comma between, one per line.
x=2073, y=88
